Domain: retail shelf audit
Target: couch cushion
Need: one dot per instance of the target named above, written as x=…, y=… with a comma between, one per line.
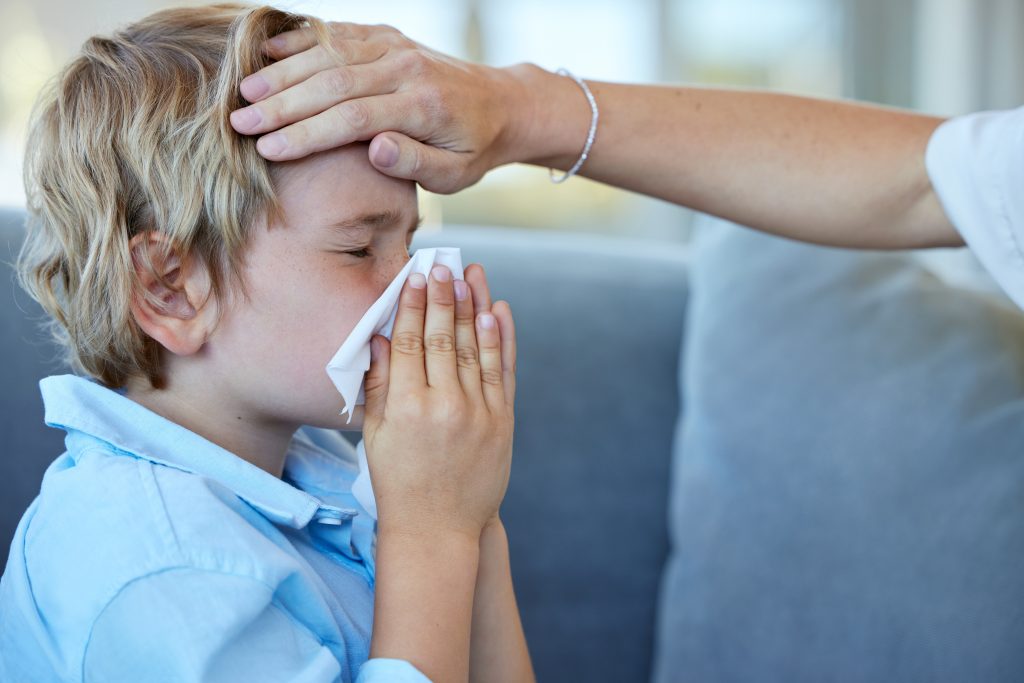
x=848, y=485
x=28, y=355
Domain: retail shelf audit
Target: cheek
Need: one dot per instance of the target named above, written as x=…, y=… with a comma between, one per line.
x=298, y=314
x=322, y=318
x=319, y=311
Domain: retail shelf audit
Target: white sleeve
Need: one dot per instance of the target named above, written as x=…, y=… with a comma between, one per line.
x=976, y=165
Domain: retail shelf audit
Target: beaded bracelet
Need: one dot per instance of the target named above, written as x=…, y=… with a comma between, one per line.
x=591, y=134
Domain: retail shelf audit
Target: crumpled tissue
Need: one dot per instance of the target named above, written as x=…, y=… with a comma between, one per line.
x=347, y=369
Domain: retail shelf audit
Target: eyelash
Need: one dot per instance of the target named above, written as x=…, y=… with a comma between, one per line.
x=365, y=252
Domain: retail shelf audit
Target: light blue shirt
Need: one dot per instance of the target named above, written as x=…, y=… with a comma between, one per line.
x=152, y=554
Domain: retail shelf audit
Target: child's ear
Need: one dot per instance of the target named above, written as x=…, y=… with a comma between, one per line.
x=178, y=312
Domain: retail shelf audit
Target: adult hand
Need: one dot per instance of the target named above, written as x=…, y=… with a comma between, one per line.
x=431, y=118
x=439, y=408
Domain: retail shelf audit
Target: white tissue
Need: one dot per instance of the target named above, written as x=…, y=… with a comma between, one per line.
x=348, y=367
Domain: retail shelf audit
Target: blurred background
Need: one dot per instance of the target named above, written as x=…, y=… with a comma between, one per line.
x=939, y=56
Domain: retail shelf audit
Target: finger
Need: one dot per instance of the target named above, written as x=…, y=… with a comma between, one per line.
x=407, y=372
x=437, y=170
x=316, y=94
x=292, y=42
x=342, y=124
x=375, y=386
x=488, y=338
x=439, y=330
x=281, y=75
x=507, y=330
x=477, y=279
x=467, y=355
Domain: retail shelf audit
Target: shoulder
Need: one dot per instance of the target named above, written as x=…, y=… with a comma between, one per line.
x=105, y=521
x=184, y=621
x=123, y=516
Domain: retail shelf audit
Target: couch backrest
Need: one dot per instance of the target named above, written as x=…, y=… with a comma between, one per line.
x=28, y=355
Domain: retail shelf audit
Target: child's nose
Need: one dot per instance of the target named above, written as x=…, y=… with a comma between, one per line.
x=389, y=270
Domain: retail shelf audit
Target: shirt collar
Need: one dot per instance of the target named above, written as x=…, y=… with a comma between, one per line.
x=83, y=407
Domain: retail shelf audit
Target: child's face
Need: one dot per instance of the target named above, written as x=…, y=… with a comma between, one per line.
x=305, y=293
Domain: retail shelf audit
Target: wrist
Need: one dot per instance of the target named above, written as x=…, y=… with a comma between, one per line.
x=423, y=602
x=493, y=528
x=547, y=117
x=429, y=541
x=424, y=530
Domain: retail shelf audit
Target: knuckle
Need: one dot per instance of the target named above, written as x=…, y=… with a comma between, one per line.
x=417, y=161
x=353, y=114
x=488, y=376
x=335, y=82
x=374, y=384
x=446, y=409
x=467, y=357
x=442, y=299
x=275, y=112
x=439, y=342
x=410, y=61
x=412, y=407
x=408, y=343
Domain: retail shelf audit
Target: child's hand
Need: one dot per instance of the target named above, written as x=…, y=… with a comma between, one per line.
x=439, y=407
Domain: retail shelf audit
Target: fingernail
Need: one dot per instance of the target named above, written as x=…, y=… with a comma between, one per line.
x=487, y=321
x=417, y=281
x=461, y=290
x=374, y=348
x=272, y=145
x=253, y=87
x=386, y=154
x=441, y=274
x=246, y=119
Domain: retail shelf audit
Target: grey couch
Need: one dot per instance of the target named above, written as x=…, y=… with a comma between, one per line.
x=599, y=323
x=841, y=498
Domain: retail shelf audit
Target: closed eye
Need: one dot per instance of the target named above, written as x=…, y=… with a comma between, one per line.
x=359, y=253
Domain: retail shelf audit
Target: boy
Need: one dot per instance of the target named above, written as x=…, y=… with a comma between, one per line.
x=195, y=530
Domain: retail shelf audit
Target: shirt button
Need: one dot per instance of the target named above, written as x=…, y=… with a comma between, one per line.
x=329, y=520
x=334, y=516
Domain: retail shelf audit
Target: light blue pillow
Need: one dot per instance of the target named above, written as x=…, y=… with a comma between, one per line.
x=848, y=475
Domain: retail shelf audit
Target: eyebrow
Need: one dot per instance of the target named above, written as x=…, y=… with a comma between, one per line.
x=375, y=219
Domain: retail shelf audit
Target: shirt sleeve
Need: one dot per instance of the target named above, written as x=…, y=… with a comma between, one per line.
x=976, y=165
x=195, y=626
x=382, y=670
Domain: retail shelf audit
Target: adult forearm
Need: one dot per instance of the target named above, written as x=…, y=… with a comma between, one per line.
x=829, y=172
x=423, y=605
x=498, y=652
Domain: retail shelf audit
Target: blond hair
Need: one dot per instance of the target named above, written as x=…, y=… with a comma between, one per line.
x=133, y=136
